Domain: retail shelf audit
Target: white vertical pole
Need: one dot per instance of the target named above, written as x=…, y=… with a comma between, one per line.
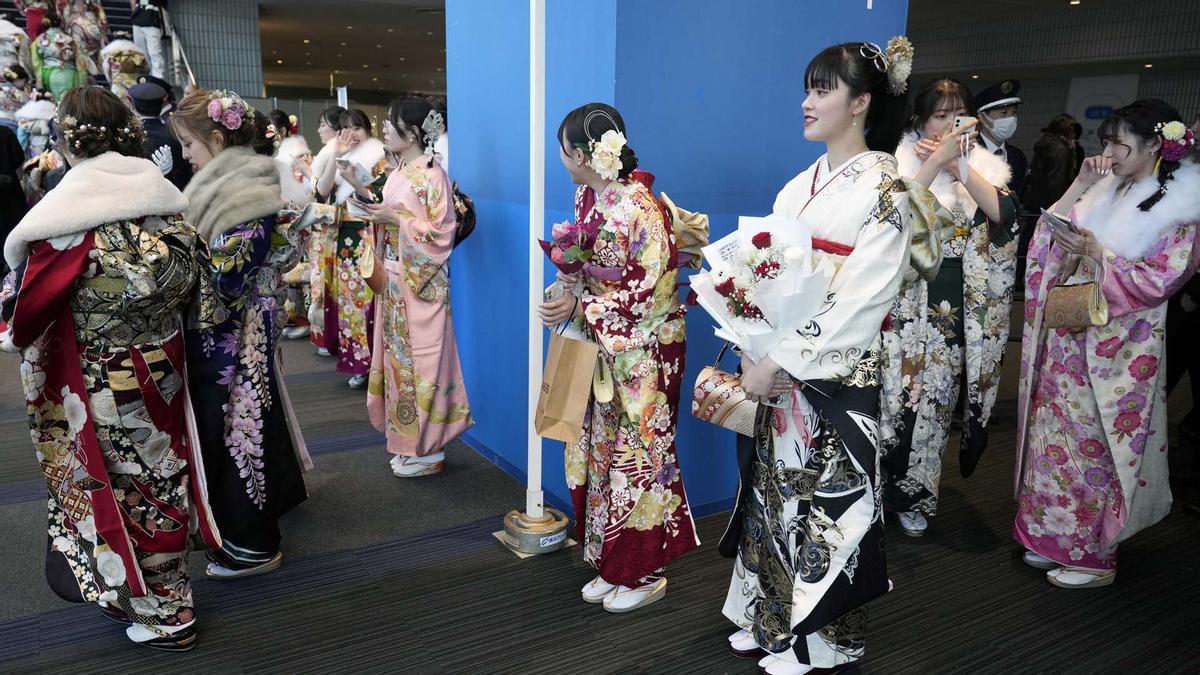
x=537, y=188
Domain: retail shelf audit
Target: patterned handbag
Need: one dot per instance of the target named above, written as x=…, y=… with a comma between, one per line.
x=718, y=398
x=1075, y=307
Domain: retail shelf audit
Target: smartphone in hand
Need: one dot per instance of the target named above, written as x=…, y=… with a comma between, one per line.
x=961, y=122
x=1060, y=223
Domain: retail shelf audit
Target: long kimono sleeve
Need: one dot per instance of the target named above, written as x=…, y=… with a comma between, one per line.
x=615, y=316
x=1130, y=285
x=236, y=254
x=45, y=287
x=859, y=297
x=929, y=218
x=431, y=227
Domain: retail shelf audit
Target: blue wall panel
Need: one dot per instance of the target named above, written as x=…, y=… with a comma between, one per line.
x=711, y=93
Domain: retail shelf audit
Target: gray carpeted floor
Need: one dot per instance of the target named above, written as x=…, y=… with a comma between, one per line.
x=384, y=575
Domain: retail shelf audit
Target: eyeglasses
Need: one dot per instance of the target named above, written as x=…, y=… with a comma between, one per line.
x=870, y=50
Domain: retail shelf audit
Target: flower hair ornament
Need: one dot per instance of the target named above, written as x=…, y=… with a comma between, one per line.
x=896, y=61
x=228, y=109
x=433, y=127
x=1177, y=140
x=9, y=73
x=606, y=152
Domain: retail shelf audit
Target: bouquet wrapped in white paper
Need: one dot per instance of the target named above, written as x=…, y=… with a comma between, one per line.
x=762, y=283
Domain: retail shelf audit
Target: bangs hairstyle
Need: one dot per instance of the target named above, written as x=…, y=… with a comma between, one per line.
x=192, y=116
x=944, y=94
x=845, y=64
x=1139, y=119
x=579, y=132
x=408, y=114
x=355, y=118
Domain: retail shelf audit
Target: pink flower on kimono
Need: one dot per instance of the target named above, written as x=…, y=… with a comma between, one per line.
x=1138, y=444
x=1091, y=448
x=1079, y=492
x=1057, y=453
x=1109, y=347
x=1077, y=368
x=1144, y=367
x=1034, y=281
x=1128, y=422
x=1043, y=464
x=1086, y=515
x=1140, y=332
x=1131, y=402
x=1030, y=309
x=1097, y=477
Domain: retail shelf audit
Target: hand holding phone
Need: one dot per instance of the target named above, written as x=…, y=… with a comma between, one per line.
x=1060, y=223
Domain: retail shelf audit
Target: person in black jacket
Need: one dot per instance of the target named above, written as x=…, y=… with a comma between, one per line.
x=1053, y=167
x=160, y=147
x=12, y=197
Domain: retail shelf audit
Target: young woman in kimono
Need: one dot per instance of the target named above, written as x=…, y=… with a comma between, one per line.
x=105, y=266
x=322, y=247
x=58, y=61
x=952, y=329
x=294, y=159
x=630, y=506
x=416, y=393
x=354, y=148
x=807, y=528
x=1092, y=414
x=252, y=442
x=87, y=22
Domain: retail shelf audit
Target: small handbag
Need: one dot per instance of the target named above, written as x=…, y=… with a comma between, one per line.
x=718, y=398
x=1075, y=307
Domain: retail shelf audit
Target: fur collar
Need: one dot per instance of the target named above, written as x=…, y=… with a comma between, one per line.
x=292, y=147
x=235, y=187
x=1125, y=229
x=366, y=154
x=119, y=46
x=952, y=194
x=108, y=188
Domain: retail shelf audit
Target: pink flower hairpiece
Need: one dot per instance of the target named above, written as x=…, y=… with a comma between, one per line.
x=228, y=109
x=1177, y=140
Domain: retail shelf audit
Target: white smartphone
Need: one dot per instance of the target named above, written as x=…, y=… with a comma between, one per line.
x=962, y=121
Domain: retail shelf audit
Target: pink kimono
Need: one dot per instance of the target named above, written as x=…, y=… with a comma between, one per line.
x=1092, y=419
x=416, y=393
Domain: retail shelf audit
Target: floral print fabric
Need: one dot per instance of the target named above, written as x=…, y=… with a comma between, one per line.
x=624, y=476
x=1092, y=427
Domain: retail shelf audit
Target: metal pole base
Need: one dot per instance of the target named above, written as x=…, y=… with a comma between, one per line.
x=533, y=536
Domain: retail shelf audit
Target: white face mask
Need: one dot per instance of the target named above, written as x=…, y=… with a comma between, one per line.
x=1004, y=128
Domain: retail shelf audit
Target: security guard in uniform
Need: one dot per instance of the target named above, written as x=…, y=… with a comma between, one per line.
x=149, y=100
x=997, y=106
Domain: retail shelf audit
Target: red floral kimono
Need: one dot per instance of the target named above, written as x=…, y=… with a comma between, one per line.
x=96, y=311
x=630, y=506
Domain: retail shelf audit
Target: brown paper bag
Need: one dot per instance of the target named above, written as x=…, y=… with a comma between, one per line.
x=566, y=388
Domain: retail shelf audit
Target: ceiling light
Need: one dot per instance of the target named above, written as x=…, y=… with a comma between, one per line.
x=308, y=63
x=391, y=31
x=439, y=70
x=378, y=46
x=374, y=79
x=401, y=58
x=1149, y=65
x=279, y=61
x=974, y=77
x=429, y=33
x=306, y=41
x=349, y=27
x=1073, y=2
x=343, y=44
x=365, y=66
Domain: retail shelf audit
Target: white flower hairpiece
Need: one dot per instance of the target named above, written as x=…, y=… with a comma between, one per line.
x=606, y=152
x=433, y=127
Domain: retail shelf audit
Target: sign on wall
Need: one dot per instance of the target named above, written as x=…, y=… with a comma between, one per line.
x=1092, y=99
